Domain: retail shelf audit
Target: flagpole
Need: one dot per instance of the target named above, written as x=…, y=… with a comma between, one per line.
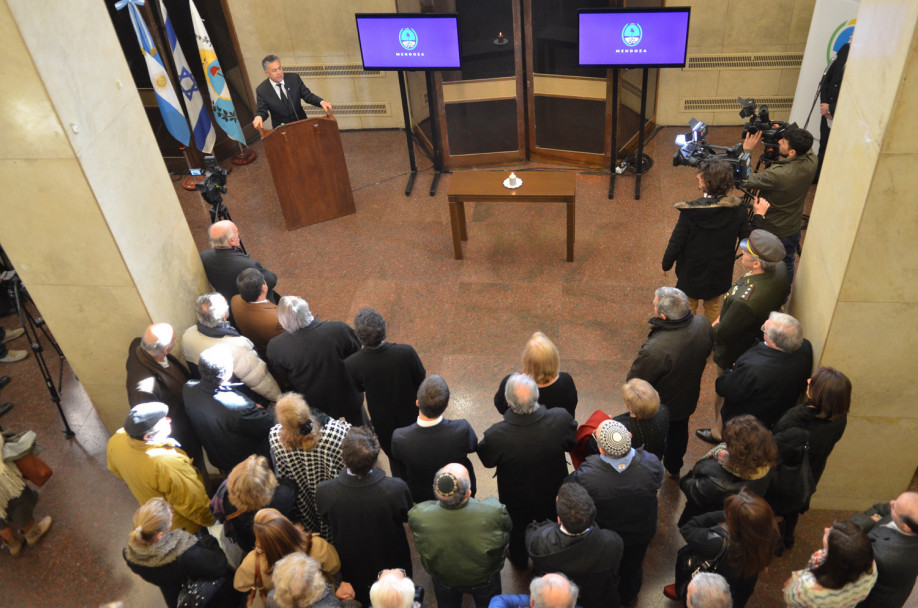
x=244, y=156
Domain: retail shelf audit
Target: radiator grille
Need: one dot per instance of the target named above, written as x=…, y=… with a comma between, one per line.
x=343, y=70
x=351, y=109
x=726, y=104
x=748, y=61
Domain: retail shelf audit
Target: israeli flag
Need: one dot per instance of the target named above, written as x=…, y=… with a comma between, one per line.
x=203, y=131
x=224, y=110
x=169, y=107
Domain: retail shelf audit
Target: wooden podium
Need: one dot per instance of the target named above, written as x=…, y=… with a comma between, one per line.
x=309, y=170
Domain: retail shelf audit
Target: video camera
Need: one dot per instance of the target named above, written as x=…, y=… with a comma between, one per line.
x=695, y=149
x=213, y=187
x=759, y=120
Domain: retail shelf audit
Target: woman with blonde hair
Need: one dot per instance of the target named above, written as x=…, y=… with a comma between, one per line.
x=299, y=584
x=306, y=449
x=646, y=419
x=167, y=558
x=251, y=486
x=541, y=361
x=275, y=537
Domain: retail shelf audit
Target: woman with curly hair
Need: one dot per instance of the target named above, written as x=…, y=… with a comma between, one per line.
x=740, y=541
x=167, y=558
x=275, y=537
x=840, y=575
x=746, y=459
x=306, y=449
x=541, y=361
x=299, y=584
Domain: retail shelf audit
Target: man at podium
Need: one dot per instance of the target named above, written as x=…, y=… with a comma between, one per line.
x=279, y=96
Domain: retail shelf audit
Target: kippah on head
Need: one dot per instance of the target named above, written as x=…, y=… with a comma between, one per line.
x=613, y=438
x=447, y=484
x=143, y=417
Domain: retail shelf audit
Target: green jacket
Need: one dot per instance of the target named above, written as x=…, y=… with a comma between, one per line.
x=746, y=307
x=461, y=547
x=785, y=185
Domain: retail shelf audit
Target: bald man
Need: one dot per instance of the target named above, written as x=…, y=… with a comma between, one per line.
x=550, y=591
x=461, y=540
x=225, y=261
x=893, y=531
x=154, y=374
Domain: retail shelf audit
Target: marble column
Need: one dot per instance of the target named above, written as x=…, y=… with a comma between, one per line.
x=90, y=218
x=857, y=291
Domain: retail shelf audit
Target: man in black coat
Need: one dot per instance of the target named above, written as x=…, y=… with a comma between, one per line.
x=829, y=88
x=366, y=512
x=893, y=531
x=623, y=482
x=574, y=546
x=311, y=354
x=280, y=96
x=431, y=443
x=225, y=261
x=672, y=360
x=528, y=448
x=154, y=374
x=229, y=424
x=389, y=374
x=769, y=378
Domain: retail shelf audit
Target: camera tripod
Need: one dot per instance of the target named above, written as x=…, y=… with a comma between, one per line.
x=32, y=324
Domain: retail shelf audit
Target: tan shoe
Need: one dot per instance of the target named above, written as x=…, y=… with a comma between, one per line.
x=14, y=355
x=38, y=530
x=15, y=548
x=13, y=334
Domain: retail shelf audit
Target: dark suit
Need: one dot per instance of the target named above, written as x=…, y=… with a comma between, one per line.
x=269, y=102
x=529, y=453
x=895, y=553
x=424, y=450
x=148, y=381
x=222, y=266
x=257, y=322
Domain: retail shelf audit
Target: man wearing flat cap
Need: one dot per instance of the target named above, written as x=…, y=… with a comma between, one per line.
x=461, y=540
x=746, y=307
x=623, y=482
x=142, y=454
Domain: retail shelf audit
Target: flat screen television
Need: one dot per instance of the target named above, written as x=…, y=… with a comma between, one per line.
x=633, y=37
x=409, y=41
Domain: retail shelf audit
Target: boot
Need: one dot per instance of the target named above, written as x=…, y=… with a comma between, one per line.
x=38, y=530
x=14, y=547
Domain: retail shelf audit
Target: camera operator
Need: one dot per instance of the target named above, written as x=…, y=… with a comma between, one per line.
x=703, y=243
x=785, y=184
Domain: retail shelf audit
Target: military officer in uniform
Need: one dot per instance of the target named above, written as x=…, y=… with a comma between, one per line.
x=746, y=307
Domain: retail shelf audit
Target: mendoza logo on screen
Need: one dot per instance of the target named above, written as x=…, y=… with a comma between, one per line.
x=632, y=34
x=408, y=38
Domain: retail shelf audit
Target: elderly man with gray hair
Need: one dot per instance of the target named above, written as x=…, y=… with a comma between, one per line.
x=708, y=590
x=394, y=589
x=311, y=353
x=672, y=360
x=769, y=378
x=553, y=590
x=461, y=540
x=528, y=448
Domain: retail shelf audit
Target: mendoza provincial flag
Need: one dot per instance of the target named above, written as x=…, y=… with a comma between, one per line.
x=224, y=110
x=203, y=131
x=169, y=107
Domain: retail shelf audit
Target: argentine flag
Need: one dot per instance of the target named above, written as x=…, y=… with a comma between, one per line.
x=203, y=131
x=169, y=107
x=224, y=110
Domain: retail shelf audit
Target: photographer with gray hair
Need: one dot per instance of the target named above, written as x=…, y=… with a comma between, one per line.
x=461, y=540
x=528, y=447
x=311, y=353
x=708, y=590
x=672, y=360
x=769, y=378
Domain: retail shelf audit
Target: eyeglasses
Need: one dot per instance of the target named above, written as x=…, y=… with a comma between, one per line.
x=399, y=570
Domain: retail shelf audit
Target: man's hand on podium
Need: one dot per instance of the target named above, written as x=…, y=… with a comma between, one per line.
x=326, y=106
x=257, y=122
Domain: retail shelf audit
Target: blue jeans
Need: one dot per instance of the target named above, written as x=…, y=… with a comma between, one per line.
x=790, y=246
x=451, y=597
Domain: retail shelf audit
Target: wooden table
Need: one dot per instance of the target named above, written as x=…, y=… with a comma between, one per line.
x=487, y=186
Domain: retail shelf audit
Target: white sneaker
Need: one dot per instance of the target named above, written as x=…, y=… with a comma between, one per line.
x=13, y=356
x=13, y=334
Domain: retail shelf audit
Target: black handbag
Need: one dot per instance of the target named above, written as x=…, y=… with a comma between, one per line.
x=794, y=484
x=688, y=564
x=198, y=593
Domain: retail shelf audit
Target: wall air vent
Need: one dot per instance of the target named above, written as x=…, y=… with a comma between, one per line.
x=748, y=61
x=343, y=70
x=729, y=104
x=351, y=109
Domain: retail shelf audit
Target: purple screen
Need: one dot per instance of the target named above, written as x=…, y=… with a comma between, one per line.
x=633, y=38
x=402, y=42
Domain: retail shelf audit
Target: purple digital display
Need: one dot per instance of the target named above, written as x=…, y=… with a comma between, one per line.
x=409, y=41
x=634, y=37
